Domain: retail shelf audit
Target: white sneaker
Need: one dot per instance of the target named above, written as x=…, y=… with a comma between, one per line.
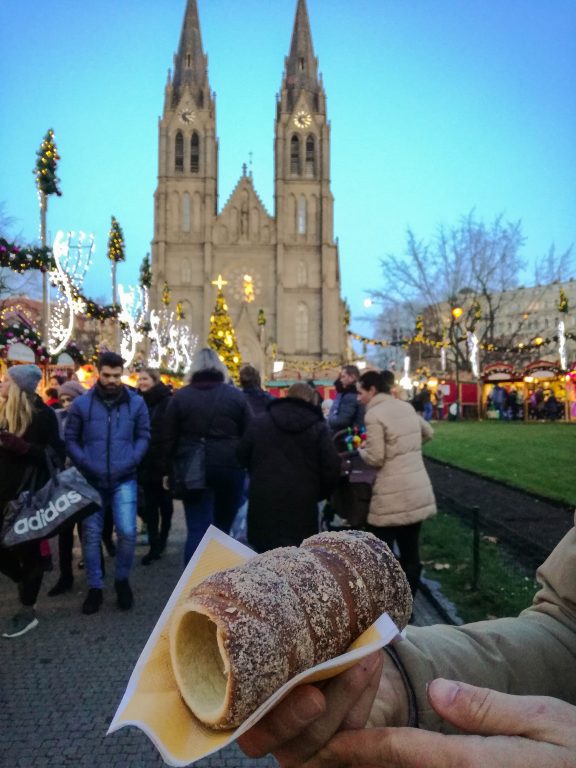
x=22, y=622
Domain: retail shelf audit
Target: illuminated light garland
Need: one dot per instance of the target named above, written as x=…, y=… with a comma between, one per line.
x=172, y=344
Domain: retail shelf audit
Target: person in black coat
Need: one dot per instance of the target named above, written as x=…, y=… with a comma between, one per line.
x=27, y=428
x=251, y=385
x=293, y=464
x=158, y=505
x=212, y=408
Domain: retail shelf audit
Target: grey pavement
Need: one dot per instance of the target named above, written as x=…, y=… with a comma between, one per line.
x=61, y=683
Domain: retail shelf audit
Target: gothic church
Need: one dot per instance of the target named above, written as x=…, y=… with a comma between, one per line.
x=281, y=271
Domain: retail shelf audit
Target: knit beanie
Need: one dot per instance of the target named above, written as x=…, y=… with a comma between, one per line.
x=27, y=377
x=71, y=388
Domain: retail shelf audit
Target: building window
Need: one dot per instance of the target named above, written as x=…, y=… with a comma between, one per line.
x=195, y=153
x=301, y=229
x=310, y=157
x=302, y=274
x=185, y=212
x=301, y=64
x=295, y=156
x=301, y=327
x=179, y=152
x=188, y=60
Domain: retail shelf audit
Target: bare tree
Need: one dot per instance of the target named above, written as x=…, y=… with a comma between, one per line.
x=471, y=265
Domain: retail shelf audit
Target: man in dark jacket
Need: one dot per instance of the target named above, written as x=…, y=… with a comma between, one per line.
x=293, y=464
x=107, y=434
x=346, y=411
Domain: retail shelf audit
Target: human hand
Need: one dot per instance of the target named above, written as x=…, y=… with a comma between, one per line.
x=308, y=717
x=522, y=731
x=14, y=444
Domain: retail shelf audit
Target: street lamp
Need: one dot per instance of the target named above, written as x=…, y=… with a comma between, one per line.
x=457, y=313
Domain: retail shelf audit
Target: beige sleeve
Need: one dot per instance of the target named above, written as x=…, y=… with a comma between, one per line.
x=426, y=430
x=534, y=653
x=373, y=451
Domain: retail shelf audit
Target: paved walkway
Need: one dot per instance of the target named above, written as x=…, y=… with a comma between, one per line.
x=61, y=684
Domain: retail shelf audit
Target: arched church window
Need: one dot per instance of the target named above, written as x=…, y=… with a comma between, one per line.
x=302, y=274
x=301, y=64
x=310, y=157
x=301, y=215
x=188, y=60
x=295, y=155
x=179, y=152
x=195, y=153
x=301, y=327
x=185, y=212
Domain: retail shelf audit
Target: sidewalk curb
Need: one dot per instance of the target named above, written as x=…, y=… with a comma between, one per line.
x=445, y=607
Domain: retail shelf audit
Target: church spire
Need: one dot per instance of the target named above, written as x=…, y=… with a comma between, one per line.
x=190, y=63
x=301, y=67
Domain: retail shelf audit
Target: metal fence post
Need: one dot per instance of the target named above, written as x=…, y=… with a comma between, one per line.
x=475, y=547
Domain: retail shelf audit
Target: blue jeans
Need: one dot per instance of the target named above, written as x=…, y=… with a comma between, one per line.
x=217, y=504
x=122, y=500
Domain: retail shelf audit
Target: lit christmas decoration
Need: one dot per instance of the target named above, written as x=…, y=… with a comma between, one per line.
x=166, y=297
x=248, y=289
x=46, y=165
x=562, y=345
x=71, y=262
x=116, y=242
x=221, y=336
x=172, y=344
x=406, y=381
x=133, y=305
x=180, y=311
x=474, y=353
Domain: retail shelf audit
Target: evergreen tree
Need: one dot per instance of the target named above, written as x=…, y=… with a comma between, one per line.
x=222, y=338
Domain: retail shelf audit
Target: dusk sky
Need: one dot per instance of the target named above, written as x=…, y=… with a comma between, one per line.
x=437, y=107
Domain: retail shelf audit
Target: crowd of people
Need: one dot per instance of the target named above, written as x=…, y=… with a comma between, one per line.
x=281, y=456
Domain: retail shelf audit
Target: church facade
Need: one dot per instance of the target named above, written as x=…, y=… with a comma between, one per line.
x=280, y=271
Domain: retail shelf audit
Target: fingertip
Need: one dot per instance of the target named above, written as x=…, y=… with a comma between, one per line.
x=442, y=692
x=308, y=703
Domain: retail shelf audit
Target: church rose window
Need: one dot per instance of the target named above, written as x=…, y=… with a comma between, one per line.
x=195, y=153
x=179, y=152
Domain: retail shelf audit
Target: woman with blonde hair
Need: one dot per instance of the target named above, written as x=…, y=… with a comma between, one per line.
x=27, y=428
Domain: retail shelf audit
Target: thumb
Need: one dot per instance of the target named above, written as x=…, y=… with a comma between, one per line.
x=486, y=712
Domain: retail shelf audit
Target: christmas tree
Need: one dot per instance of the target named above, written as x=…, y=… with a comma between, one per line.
x=221, y=337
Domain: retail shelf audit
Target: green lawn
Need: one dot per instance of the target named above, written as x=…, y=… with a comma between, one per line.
x=504, y=589
x=539, y=458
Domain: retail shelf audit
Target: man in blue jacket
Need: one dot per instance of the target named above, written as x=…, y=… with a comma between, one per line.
x=107, y=434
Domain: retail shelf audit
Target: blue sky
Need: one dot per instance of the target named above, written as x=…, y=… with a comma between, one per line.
x=437, y=107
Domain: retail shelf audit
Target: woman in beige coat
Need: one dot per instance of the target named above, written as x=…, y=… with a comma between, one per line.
x=402, y=496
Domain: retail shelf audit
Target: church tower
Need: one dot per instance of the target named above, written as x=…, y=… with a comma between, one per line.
x=309, y=289
x=280, y=271
x=186, y=197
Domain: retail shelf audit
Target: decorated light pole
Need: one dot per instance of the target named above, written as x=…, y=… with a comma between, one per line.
x=47, y=184
x=456, y=315
x=115, y=254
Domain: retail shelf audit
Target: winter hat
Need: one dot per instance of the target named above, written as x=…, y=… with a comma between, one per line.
x=27, y=377
x=72, y=389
